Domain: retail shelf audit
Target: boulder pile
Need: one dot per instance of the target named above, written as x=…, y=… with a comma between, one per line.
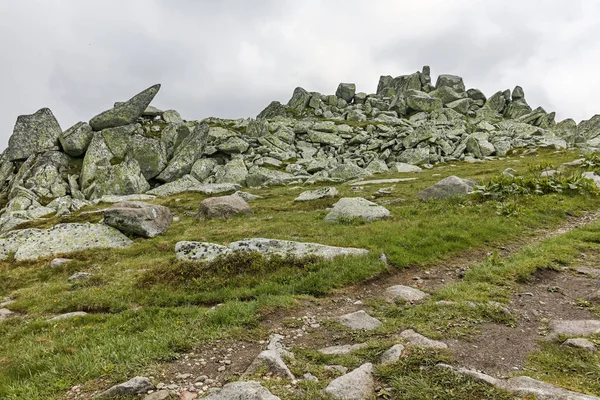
x=135, y=148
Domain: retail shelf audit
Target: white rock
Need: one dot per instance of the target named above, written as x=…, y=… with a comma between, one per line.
x=356, y=207
x=581, y=343
x=69, y=315
x=393, y=354
x=243, y=391
x=342, y=349
x=405, y=293
x=356, y=385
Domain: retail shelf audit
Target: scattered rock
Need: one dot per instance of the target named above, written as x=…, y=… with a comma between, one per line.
x=77, y=276
x=356, y=207
x=68, y=316
x=248, y=196
x=324, y=193
x=243, y=391
x=342, y=349
x=223, y=207
x=405, y=168
x=451, y=186
x=356, y=385
x=383, y=181
x=393, y=354
x=160, y=395
x=138, y=218
x=581, y=344
x=582, y=328
x=414, y=339
x=199, y=251
x=137, y=385
x=6, y=314
x=359, y=320
x=59, y=262
x=405, y=293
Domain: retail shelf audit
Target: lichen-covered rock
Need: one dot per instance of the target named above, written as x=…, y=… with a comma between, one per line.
x=190, y=150
x=421, y=101
x=356, y=207
x=203, y=168
x=392, y=354
x=406, y=293
x=172, y=117
x=451, y=186
x=127, y=112
x=415, y=339
x=137, y=385
x=199, y=251
x=76, y=139
x=342, y=349
x=30, y=244
x=235, y=171
x=121, y=179
x=223, y=207
x=258, y=176
x=451, y=81
x=188, y=184
x=269, y=247
x=346, y=91
x=33, y=134
x=138, y=218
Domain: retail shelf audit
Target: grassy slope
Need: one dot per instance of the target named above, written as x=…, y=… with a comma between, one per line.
x=138, y=320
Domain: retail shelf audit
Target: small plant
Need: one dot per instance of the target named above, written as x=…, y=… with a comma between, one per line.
x=542, y=166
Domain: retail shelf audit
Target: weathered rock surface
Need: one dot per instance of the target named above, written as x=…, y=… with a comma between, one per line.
x=348, y=208
x=406, y=293
x=269, y=247
x=223, y=207
x=359, y=320
x=451, y=186
x=324, y=193
x=125, y=113
x=580, y=343
x=138, y=218
x=415, y=339
x=581, y=328
x=392, y=354
x=342, y=349
x=250, y=390
x=137, y=385
x=356, y=385
x=74, y=314
x=33, y=134
x=30, y=244
x=199, y=251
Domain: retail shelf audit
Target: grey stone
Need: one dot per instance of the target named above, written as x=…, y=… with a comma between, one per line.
x=581, y=344
x=160, y=395
x=356, y=385
x=250, y=390
x=223, y=207
x=272, y=361
x=190, y=150
x=59, y=262
x=270, y=247
x=382, y=181
x=592, y=176
x=68, y=316
x=6, y=314
x=77, y=276
x=405, y=168
x=172, y=116
x=120, y=199
x=248, y=196
x=356, y=207
x=342, y=349
x=405, y=293
x=359, y=320
x=150, y=154
x=393, y=354
x=581, y=328
x=451, y=186
x=377, y=166
x=138, y=218
x=346, y=91
x=152, y=112
x=76, y=139
x=233, y=145
x=421, y=101
x=348, y=171
x=187, y=184
x=199, y=251
x=258, y=176
x=137, y=385
x=125, y=113
x=33, y=134
x=414, y=156
x=30, y=244
x=324, y=193
x=415, y=339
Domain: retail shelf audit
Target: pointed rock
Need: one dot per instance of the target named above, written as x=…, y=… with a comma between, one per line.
x=33, y=134
x=393, y=354
x=342, y=349
x=580, y=328
x=405, y=293
x=415, y=339
x=125, y=113
x=137, y=385
x=355, y=385
x=356, y=207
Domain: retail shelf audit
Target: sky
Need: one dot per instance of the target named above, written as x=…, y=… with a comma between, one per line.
x=231, y=58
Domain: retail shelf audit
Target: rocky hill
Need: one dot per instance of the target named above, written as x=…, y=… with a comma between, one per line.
x=135, y=148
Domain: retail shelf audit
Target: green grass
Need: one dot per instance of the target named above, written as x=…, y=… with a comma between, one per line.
x=146, y=307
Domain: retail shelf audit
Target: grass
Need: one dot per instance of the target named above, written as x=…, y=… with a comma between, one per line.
x=147, y=307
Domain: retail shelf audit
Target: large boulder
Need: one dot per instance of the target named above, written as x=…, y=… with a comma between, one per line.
x=452, y=81
x=30, y=244
x=33, y=134
x=127, y=112
x=223, y=207
x=138, y=218
x=76, y=139
x=421, y=101
x=346, y=91
x=356, y=207
x=235, y=171
x=190, y=150
x=451, y=186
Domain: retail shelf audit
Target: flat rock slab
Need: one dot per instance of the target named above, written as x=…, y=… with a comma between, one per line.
x=69, y=316
x=272, y=361
x=406, y=293
x=581, y=328
x=223, y=207
x=415, y=339
x=342, y=349
x=356, y=207
x=381, y=181
x=250, y=390
x=359, y=320
x=449, y=187
x=30, y=244
x=324, y=193
x=59, y=262
x=201, y=251
x=129, y=197
x=523, y=386
x=137, y=385
x=355, y=385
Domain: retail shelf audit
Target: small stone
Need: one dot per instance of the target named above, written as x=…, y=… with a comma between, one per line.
x=343, y=349
x=359, y=320
x=79, y=276
x=59, y=262
x=581, y=343
x=137, y=385
x=392, y=354
x=356, y=385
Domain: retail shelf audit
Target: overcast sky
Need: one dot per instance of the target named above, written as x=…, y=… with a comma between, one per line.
x=230, y=58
